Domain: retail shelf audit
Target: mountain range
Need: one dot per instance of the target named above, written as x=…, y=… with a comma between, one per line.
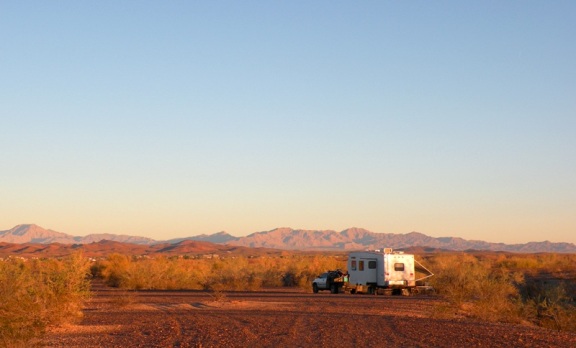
x=291, y=239
x=104, y=248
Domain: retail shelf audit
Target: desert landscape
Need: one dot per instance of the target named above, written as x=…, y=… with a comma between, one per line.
x=265, y=300
x=282, y=318
x=287, y=174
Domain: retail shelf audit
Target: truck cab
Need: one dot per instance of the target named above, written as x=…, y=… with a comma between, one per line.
x=331, y=280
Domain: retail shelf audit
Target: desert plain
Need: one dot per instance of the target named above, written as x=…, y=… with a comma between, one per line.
x=282, y=318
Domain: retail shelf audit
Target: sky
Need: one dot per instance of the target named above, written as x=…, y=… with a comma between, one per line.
x=168, y=119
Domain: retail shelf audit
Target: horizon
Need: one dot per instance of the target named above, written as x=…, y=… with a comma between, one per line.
x=162, y=120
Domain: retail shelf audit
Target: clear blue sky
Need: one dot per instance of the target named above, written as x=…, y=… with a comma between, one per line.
x=175, y=118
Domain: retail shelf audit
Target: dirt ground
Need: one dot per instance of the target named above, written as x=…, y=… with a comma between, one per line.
x=278, y=318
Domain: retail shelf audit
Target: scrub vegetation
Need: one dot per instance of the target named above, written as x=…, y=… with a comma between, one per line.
x=36, y=294
x=234, y=273
x=531, y=289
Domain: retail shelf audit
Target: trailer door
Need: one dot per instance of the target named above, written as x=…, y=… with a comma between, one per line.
x=370, y=275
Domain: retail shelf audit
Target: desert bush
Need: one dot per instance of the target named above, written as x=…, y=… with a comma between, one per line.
x=234, y=273
x=551, y=263
x=124, y=272
x=549, y=291
x=547, y=304
x=475, y=288
x=508, y=287
x=35, y=294
x=115, y=269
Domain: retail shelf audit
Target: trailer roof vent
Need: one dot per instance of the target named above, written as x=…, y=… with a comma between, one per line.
x=387, y=250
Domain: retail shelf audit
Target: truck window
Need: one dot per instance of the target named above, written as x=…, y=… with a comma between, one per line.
x=361, y=266
x=372, y=264
x=353, y=265
x=399, y=267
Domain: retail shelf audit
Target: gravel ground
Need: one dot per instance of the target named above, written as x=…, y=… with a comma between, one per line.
x=116, y=318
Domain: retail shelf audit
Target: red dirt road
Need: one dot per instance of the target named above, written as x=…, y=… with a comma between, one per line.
x=115, y=318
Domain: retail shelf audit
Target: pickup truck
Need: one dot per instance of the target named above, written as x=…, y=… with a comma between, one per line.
x=331, y=280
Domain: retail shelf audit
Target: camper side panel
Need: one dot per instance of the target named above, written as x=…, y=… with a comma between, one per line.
x=364, y=267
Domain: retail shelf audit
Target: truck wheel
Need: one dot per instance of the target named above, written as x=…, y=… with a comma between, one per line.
x=334, y=289
x=315, y=288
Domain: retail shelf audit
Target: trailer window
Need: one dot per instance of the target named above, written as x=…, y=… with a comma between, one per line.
x=353, y=265
x=361, y=266
x=399, y=267
x=372, y=264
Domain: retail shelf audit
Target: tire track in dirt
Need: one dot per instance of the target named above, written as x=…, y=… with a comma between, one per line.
x=172, y=324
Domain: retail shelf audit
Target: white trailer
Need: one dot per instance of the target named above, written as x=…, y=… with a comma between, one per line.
x=386, y=270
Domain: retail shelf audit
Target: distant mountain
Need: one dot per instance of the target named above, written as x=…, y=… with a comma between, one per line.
x=114, y=237
x=34, y=234
x=31, y=233
x=219, y=237
x=358, y=238
x=291, y=239
x=104, y=248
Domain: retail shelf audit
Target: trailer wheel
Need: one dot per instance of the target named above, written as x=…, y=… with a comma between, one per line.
x=371, y=290
x=315, y=288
